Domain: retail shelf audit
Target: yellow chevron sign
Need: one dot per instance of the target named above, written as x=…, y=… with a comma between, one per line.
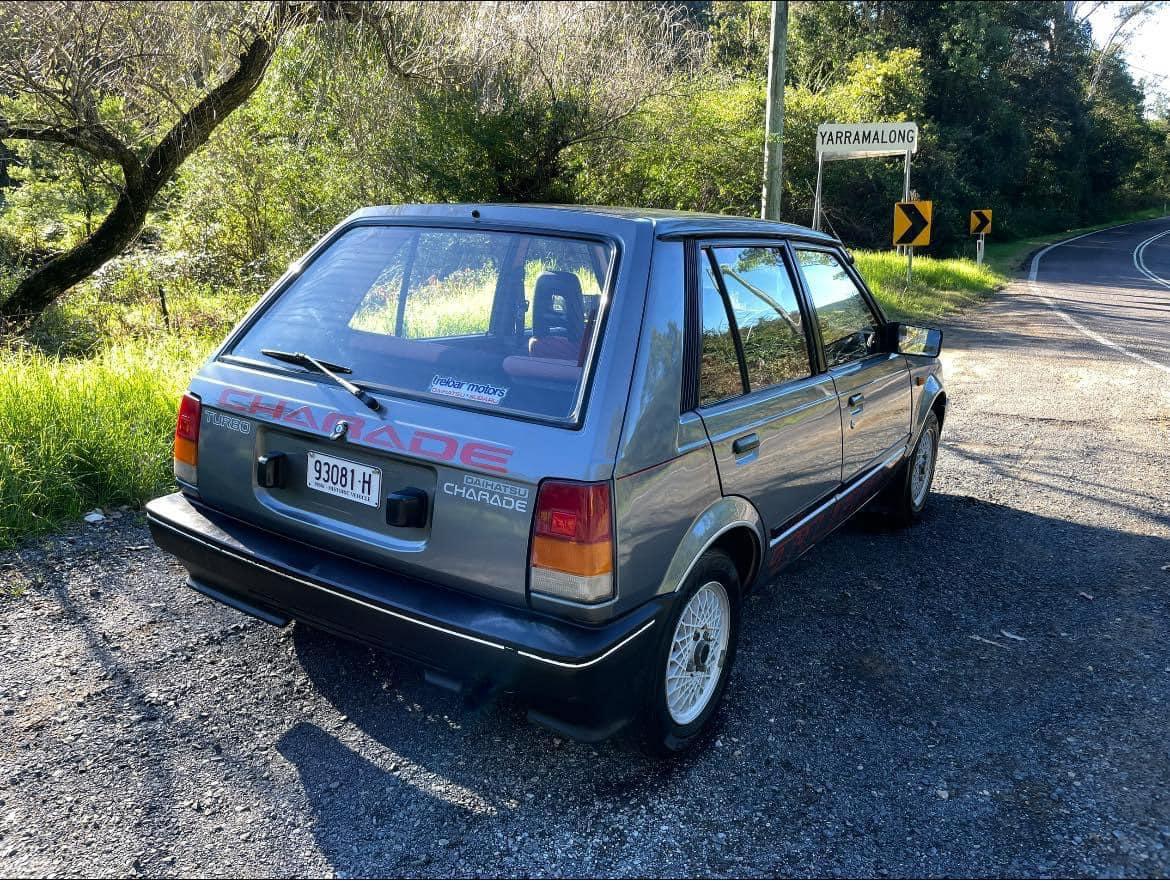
x=980, y=221
x=912, y=223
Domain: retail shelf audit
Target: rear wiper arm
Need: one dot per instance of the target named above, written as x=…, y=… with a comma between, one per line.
x=330, y=370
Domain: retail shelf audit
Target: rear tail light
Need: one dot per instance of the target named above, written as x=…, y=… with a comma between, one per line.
x=187, y=440
x=572, y=542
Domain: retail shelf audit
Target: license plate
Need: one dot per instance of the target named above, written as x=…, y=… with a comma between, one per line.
x=345, y=479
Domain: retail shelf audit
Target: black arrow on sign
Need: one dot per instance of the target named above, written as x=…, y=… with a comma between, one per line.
x=918, y=223
x=982, y=221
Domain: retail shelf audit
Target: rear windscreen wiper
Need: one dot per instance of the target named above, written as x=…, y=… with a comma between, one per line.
x=330, y=370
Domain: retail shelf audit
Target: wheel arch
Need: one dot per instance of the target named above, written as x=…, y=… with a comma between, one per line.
x=939, y=407
x=932, y=399
x=731, y=524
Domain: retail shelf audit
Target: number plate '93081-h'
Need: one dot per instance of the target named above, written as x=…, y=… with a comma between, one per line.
x=348, y=480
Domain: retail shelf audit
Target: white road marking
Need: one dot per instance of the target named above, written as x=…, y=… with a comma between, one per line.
x=1139, y=259
x=1092, y=334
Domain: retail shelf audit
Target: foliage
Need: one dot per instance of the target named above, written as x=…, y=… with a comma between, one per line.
x=389, y=89
x=135, y=87
x=705, y=153
x=82, y=433
x=143, y=296
x=1017, y=112
x=598, y=103
x=699, y=154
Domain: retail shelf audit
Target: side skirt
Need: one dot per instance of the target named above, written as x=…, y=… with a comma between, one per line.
x=794, y=541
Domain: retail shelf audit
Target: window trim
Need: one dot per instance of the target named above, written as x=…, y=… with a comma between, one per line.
x=866, y=295
x=745, y=386
x=692, y=328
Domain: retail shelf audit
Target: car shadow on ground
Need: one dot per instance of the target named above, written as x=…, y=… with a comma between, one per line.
x=983, y=678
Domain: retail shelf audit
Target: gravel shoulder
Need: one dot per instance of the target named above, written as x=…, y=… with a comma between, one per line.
x=984, y=695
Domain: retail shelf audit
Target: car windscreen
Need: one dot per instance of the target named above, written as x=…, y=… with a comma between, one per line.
x=502, y=321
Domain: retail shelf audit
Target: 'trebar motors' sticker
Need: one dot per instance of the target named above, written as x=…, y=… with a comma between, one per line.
x=463, y=389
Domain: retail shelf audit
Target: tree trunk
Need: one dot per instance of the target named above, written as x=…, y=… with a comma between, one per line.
x=34, y=294
x=143, y=183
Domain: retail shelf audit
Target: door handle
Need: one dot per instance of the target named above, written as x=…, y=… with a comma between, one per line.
x=745, y=444
x=856, y=400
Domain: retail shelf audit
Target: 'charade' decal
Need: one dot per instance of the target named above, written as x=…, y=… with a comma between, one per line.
x=381, y=435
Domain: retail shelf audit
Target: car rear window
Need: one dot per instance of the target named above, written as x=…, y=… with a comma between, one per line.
x=504, y=321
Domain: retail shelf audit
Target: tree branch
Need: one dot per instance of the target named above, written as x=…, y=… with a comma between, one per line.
x=196, y=125
x=96, y=140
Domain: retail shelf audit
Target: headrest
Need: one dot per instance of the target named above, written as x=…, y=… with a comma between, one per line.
x=558, y=309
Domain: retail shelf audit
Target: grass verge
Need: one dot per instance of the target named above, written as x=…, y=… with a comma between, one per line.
x=1010, y=258
x=940, y=286
x=78, y=433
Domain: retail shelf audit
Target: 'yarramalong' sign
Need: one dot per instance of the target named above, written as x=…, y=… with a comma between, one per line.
x=858, y=140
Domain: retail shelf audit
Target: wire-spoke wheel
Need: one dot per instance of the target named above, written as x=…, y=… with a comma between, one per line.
x=698, y=652
x=922, y=467
x=695, y=653
x=909, y=490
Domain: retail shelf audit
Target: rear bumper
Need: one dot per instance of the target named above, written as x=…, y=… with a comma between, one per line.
x=586, y=682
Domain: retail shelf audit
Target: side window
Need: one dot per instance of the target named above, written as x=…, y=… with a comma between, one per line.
x=849, y=327
x=719, y=376
x=767, y=315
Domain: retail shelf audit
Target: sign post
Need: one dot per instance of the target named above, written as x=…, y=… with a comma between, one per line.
x=863, y=140
x=980, y=225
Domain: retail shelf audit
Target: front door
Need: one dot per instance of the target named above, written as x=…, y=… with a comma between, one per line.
x=873, y=387
x=772, y=419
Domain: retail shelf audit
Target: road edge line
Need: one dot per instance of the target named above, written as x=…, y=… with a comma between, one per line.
x=1139, y=259
x=1091, y=334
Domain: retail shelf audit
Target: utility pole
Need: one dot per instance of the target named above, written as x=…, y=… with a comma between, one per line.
x=774, y=117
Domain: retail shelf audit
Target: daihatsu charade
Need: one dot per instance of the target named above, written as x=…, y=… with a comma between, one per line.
x=548, y=450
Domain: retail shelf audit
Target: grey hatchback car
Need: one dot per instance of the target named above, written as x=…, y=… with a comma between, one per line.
x=548, y=450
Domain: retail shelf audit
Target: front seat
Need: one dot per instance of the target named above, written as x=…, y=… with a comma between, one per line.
x=558, y=317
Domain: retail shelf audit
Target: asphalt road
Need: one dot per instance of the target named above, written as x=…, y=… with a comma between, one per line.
x=868, y=731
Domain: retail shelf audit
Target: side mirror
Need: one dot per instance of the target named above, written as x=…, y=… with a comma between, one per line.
x=907, y=339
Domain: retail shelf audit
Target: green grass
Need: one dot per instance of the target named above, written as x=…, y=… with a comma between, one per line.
x=1010, y=258
x=79, y=433
x=940, y=286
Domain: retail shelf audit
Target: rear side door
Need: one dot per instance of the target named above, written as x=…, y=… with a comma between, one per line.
x=771, y=417
x=873, y=386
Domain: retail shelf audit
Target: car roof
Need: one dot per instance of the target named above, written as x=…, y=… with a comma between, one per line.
x=666, y=223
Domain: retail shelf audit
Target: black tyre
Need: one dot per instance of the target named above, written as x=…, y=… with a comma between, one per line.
x=910, y=490
x=695, y=654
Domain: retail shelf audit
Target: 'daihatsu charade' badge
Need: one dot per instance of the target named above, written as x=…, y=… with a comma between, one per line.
x=497, y=493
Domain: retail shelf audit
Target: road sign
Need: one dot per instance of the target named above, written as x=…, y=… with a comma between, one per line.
x=912, y=223
x=980, y=221
x=864, y=139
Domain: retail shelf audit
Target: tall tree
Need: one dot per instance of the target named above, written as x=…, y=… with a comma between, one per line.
x=134, y=86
